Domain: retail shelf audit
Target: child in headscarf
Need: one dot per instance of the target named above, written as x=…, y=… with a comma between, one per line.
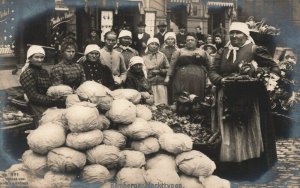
x=137, y=78
x=170, y=45
x=157, y=65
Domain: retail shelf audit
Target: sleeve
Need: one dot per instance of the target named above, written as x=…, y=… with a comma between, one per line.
x=82, y=74
x=29, y=85
x=109, y=80
x=264, y=59
x=213, y=67
x=57, y=75
x=130, y=83
x=173, y=62
x=122, y=68
x=165, y=66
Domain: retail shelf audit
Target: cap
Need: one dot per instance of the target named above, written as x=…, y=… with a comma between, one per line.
x=162, y=24
x=141, y=24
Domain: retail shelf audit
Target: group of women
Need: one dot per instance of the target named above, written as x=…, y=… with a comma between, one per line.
x=164, y=70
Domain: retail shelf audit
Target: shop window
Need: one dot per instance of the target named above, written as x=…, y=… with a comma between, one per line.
x=7, y=27
x=150, y=23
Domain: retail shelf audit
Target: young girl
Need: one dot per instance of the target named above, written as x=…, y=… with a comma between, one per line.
x=157, y=65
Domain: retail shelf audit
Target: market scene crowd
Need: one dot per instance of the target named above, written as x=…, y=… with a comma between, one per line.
x=181, y=71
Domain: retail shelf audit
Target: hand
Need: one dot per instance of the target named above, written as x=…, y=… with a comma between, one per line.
x=155, y=72
x=167, y=79
x=145, y=95
x=82, y=59
x=223, y=81
x=118, y=80
x=150, y=101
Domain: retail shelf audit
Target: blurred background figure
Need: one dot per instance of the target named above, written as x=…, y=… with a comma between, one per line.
x=140, y=39
x=93, y=38
x=181, y=36
x=162, y=27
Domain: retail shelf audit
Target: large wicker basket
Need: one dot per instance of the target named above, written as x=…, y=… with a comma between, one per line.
x=268, y=41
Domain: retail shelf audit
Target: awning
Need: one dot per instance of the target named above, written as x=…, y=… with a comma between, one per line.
x=180, y=1
x=220, y=4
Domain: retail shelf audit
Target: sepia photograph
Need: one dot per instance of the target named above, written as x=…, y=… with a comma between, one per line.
x=149, y=93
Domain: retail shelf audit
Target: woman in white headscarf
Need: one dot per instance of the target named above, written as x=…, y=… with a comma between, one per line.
x=157, y=65
x=35, y=81
x=170, y=45
x=137, y=78
x=243, y=111
x=94, y=69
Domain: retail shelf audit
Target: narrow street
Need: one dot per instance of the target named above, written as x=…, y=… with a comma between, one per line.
x=286, y=173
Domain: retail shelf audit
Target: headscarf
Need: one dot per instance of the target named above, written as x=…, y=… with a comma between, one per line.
x=137, y=60
x=34, y=49
x=167, y=35
x=91, y=47
x=242, y=27
x=151, y=40
x=125, y=33
x=170, y=34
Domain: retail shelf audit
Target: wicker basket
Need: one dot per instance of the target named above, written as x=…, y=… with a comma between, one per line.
x=268, y=41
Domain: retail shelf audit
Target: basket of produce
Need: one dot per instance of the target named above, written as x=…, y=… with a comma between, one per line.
x=263, y=34
x=195, y=126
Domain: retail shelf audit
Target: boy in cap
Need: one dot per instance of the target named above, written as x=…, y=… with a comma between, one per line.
x=140, y=39
x=181, y=36
x=162, y=27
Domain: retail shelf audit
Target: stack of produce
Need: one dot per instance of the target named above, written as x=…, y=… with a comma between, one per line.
x=195, y=126
x=79, y=146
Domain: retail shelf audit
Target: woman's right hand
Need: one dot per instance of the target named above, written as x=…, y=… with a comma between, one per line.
x=167, y=79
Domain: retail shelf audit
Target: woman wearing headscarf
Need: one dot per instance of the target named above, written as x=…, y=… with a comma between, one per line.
x=94, y=69
x=243, y=111
x=67, y=71
x=157, y=65
x=188, y=69
x=170, y=45
x=168, y=48
x=123, y=46
x=35, y=81
x=137, y=77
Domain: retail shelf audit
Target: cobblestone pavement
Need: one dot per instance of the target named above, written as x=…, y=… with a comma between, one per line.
x=286, y=173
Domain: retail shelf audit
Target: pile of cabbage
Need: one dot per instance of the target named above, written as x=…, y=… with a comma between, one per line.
x=103, y=140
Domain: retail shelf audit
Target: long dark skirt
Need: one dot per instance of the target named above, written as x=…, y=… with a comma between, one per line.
x=243, y=116
x=190, y=78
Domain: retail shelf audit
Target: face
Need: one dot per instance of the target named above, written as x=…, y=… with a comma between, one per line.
x=153, y=47
x=141, y=29
x=218, y=40
x=209, y=40
x=198, y=30
x=170, y=41
x=93, y=56
x=137, y=67
x=182, y=30
x=237, y=38
x=69, y=53
x=37, y=59
x=93, y=33
x=162, y=29
x=125, y=41
x=110, y=41
x=190, y=42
